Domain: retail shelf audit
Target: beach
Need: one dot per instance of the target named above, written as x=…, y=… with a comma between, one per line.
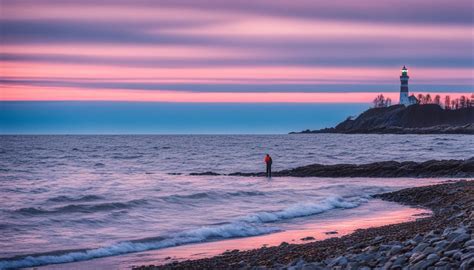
x=117, y=202
x=443, y=240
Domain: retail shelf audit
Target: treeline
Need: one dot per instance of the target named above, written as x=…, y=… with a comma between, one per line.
x=447, y=103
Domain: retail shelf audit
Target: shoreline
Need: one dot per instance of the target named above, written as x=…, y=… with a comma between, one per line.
x=443, y=239
x=426, y=169
x=338, y=223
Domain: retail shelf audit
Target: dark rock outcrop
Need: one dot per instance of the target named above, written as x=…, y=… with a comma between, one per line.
x=430, y=168
x=415, y=119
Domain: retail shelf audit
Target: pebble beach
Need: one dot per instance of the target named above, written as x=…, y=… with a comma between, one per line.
x=443, y=240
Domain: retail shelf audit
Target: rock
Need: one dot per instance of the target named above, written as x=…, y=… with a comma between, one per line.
x=461, y=238
x=453, y=245
x=341, y=260
x=450, y=253
x=418, y=238
x=457, y=255
x=378, y=239
x=423, y=264
x=406, y=120
x=399, y=261
x=469, y=243
x=307, y=238
x=312, y=266
x=467, y=264
x=331, y=232
x=440, y=245
x=394, y=250
x=432, y=256
x=420, y=247
x=416, y=257
x=467, y=256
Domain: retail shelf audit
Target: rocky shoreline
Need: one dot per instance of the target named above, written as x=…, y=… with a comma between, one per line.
x=398, y=119
x=441, y=241
x=441, y=129
x=431, y=168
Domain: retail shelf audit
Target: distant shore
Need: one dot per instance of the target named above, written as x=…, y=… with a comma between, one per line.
x=442, y=240
x=431, y=168
x=398, y=119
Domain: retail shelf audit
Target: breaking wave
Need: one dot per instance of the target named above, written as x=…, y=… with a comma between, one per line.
x=251, y=225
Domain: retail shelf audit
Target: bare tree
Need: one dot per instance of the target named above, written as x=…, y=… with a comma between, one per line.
x=462, y=102
x=379, y=101
x=437, y=100
x=447, y=102
x=421, y=98
x=388, y=102
x=428, y=99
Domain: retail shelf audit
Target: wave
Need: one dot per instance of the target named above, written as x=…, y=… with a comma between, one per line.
x=210, y=195
x=86, y=198
x=250, y=225
x=126, y=157
x=303, y=210
x=82, y=208
x=225, y=231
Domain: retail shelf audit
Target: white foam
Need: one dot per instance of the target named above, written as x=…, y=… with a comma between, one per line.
x=238, y=229
x=302, y=210
x=250, y=225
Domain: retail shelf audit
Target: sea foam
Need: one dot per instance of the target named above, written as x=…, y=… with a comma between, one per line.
x=251, y=225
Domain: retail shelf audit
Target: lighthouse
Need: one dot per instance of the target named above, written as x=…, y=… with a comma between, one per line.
x=404, y=87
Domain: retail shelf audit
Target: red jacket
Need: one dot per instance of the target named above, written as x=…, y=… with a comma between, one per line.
x=268, y=159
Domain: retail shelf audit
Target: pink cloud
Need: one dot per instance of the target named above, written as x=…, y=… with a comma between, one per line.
x=29, y=93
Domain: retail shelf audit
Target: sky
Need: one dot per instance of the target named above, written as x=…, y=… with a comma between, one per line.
x=184, y=56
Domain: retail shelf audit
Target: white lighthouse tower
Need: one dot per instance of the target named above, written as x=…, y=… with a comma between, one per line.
x=404, y=87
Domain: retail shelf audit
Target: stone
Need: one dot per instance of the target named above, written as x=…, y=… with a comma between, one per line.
x=420, y=247
x=461, y=238
x=457, y=255
x=312, y=266
x=394, y=250
x=378, y=239
x=416, y=257
x=453, y=245
x=441, y=244
x=341, y=260
x=450, y=253
x=399, y=261
x=467, y=256
x=468, y=264
x=423, y=264
x=469, y=243
x=418, y=238
x=429, y=250
x=432, y=256
x=307, y=238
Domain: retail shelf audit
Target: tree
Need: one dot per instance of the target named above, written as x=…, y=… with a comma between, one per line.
x=437, y=100
x=421, y=98
x=428, y=99
x=388, y=102
x=379, y=101
x=447, y=102
x=462, y=102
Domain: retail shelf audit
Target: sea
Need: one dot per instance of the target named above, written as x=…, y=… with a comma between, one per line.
x=70, y=198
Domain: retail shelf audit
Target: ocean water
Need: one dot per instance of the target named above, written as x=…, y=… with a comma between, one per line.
x=73, y=198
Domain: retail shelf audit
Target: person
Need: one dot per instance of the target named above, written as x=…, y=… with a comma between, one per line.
x=268, y=161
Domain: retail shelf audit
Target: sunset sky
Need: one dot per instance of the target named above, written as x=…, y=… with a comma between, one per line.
x=210, y=53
